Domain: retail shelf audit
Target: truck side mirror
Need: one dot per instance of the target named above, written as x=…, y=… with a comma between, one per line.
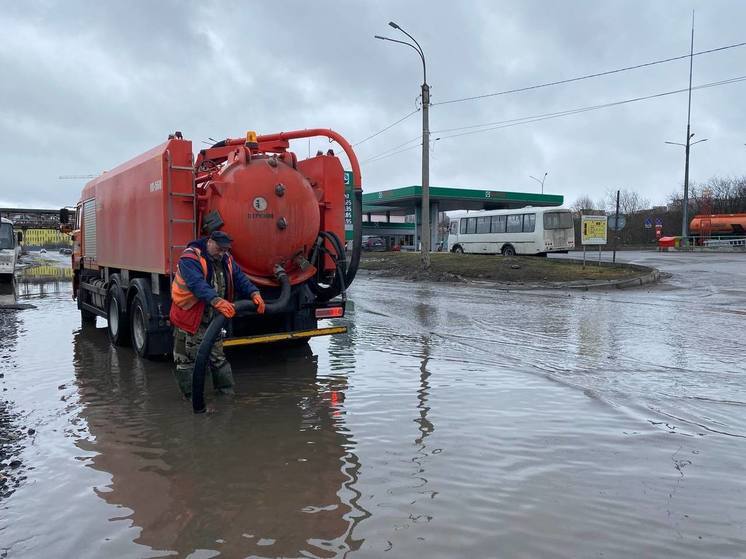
x=64, y=216
x=19, y=236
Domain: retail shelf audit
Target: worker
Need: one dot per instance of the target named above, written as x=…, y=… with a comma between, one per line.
x=206, y=281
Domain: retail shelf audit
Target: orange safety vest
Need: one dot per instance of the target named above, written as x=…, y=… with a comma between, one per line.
x=186, y=309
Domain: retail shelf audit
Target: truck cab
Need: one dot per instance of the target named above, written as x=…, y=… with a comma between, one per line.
x=9, y=250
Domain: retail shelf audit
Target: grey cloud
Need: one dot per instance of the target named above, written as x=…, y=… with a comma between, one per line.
x=90, y=84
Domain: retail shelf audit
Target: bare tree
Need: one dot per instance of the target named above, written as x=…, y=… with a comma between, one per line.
x=630, y=201
x=584, y=202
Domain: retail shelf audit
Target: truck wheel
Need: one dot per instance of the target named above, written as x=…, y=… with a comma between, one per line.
x=118, y=327
x=140, y=330
x=86, y=317
x=508, y=250
x=458, y=249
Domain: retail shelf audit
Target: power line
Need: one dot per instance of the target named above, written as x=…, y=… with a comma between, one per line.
x=402, y=119
x=378, y=158
x=548, y=116
x=587, y=76
x=394, y=148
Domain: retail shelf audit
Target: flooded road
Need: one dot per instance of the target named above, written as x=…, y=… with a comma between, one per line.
x=451, y=421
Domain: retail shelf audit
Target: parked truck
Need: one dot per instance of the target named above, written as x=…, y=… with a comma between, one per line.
x=287, y=219
x=10, y=249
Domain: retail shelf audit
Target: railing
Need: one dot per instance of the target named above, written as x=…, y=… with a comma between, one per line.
x=719, y=242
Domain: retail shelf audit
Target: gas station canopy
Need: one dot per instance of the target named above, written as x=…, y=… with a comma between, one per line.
x=404, y=200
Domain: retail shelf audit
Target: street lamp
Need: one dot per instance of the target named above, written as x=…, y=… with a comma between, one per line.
x=685, y=205
x=426, y=233
x=541, y=182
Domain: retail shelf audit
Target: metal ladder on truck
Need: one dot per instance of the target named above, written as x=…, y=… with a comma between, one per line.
x=179, y=198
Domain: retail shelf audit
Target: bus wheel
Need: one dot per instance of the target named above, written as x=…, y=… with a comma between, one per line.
x=508, y=250
x=458, y=249
x=118, y=327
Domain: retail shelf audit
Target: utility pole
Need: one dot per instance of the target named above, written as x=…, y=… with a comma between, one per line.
x=685, y=209
x=425, y=229
x=616, y=227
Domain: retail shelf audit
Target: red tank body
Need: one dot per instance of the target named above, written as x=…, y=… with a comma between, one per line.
x=286, y=218
x=718, y=224
x=272, y=214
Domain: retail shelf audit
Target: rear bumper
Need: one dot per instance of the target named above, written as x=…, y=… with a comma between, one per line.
x=284, y=336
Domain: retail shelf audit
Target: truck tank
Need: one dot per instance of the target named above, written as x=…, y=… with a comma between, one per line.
x=286, y=217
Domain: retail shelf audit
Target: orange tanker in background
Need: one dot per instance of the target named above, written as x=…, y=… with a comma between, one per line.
x=718, y=224
x=286, y=216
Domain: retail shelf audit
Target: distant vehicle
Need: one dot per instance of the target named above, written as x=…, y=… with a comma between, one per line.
x=43, y=251
x=509, y=232
x=9, y=249
x=371, y=243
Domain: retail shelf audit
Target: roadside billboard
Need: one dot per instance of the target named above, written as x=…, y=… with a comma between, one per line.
x=593, y=229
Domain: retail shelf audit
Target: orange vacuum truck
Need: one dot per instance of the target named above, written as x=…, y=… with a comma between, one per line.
x=287, y=219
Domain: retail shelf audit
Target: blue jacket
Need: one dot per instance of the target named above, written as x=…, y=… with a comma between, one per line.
x=201, y=287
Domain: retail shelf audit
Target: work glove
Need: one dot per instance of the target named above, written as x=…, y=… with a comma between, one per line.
x=224, y=307
x=258, y=301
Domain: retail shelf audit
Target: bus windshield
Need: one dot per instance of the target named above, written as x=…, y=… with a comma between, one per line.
x=557, y=220
x=6, y=236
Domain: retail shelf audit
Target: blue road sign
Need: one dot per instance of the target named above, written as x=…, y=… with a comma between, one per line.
x=648, y=223
x=658, y=222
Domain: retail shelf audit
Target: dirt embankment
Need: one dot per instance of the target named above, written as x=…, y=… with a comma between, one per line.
x=516, y=271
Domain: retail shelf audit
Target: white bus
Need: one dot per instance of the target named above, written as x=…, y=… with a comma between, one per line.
x=509, y=232
x=9, y=250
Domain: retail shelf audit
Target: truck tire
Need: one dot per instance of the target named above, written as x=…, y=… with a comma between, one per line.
x=458, y=249
x=508, y=250
x=140, y=329
x=116, y=314
x=152, y=336
x=86, y=317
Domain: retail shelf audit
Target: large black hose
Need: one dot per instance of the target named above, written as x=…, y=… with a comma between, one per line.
x=339, y=283
x=218, y=322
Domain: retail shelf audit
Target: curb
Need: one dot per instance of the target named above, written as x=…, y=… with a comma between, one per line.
x=651, y=277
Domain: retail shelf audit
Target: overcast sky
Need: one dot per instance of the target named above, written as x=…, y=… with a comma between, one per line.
x=88, y=85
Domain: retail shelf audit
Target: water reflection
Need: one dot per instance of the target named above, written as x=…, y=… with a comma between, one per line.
x=271, y=473
x=43, y=280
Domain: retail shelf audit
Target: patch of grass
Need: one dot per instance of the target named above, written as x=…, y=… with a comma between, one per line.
x=518, y=269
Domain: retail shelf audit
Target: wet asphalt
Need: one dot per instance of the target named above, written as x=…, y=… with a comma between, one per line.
x=451, y=421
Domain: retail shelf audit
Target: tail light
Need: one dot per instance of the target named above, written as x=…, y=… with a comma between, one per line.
x=330, y=312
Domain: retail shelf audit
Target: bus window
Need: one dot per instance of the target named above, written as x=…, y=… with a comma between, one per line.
x=515, y=223
x=472, y=227
x=498, y=224
x=557, y=220
x=483, y=224
x=463, y=226
x=453, y=227
x=529, y=223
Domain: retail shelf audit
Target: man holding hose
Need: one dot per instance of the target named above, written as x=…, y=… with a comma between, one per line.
x=207, y=281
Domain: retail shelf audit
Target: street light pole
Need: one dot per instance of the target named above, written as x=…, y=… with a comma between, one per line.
x=685, y=209
x=425, y=232
x=541, y=182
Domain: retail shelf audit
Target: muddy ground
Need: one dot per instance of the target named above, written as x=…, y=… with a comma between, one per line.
x=517, y=270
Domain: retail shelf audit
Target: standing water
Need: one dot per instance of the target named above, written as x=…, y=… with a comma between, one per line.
x=450, y=421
